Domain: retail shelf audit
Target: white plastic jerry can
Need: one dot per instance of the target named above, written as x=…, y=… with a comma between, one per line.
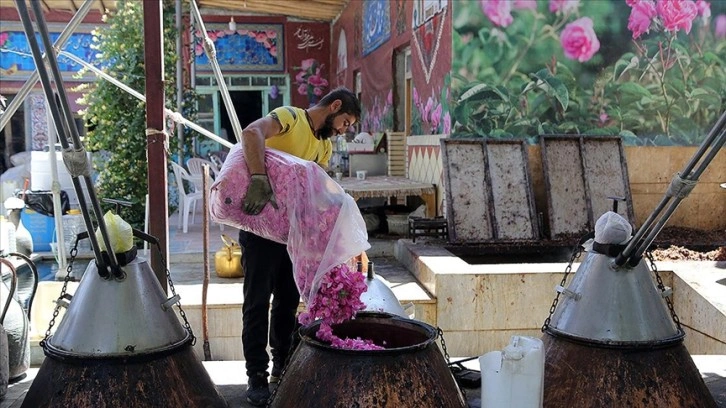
x=513, y=377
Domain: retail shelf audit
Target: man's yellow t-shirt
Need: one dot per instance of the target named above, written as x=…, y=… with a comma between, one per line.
x=297, y=138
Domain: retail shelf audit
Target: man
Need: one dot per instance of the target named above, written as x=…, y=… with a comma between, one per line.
x=304, y=133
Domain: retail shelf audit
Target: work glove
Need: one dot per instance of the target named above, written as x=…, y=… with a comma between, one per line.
x=259, y=193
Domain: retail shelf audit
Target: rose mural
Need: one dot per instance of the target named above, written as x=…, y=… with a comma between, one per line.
x=649, y=71
x=250, y=47
x=309, y=80
x=429, y=116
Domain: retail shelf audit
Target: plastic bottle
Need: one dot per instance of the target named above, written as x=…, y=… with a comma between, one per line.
x=7, y=236
x=513, y=377
x=73, y=225
x=23, y=237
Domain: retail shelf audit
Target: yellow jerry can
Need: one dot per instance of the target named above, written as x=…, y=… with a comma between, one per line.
x=228, y=260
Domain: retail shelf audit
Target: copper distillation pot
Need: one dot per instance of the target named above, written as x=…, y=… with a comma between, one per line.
x=613, y=337
x=120, y=342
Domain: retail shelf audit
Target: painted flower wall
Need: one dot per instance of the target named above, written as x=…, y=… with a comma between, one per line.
x=650, y=71
x=367, y=38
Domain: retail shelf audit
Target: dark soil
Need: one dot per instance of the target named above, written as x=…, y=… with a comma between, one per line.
x=671, y=244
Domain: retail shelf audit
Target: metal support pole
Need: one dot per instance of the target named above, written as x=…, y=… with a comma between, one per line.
x=175, y=116
x=77, y=147
x=179, y=80
x=156, y=138
x=680, y=187
x=30, y=83
x=212, y=55
x=63, y=126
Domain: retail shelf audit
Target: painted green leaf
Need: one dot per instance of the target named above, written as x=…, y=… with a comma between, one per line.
x=707, y=95
x=554, y=87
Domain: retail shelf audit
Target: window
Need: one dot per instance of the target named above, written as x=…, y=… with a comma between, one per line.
x=243, y=89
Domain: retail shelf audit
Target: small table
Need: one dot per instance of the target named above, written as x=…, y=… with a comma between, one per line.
x=391, y=186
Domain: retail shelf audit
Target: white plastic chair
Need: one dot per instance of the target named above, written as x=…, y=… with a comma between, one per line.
x=195, y=165
x=187, y=199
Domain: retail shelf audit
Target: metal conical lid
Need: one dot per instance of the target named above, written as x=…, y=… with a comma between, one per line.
x=613, y=305
x=380, y=298
x=109, y=318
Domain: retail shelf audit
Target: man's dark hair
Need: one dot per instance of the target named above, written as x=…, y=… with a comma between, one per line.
x=350, y=105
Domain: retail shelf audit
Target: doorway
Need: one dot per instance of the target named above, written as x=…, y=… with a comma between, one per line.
x=247, y=105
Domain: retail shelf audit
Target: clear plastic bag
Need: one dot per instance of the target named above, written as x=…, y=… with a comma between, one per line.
x=318, y=221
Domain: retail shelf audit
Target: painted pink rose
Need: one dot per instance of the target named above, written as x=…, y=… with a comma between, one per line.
x=677, y=14
x=641, y=16
x=447, y=123
x=273, y=51
x=704, y=9
x=271, y=33
x=300, y=77
x=525, y=4
x=317, y=80
x=564, y=6
x=426, y=116
x=631, y=3
x=302, y=89
x=243, y=32
x=307, y=64
x=499, y=12
x=318, y=91
x=719, y=29
x=604, y=118
x=3, y=37
x=579, y=41
x=436, y=117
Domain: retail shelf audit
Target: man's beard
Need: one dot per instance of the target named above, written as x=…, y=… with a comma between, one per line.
x=327, y=130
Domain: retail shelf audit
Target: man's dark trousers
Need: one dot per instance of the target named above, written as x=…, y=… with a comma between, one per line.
x=268, y=271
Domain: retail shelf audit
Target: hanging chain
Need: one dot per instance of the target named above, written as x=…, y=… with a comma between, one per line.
x=443, y=345
x=187, y=326
x=662, y=288
x=575, y=254
x=446, y=355
x=64, y=289
x=274, y=391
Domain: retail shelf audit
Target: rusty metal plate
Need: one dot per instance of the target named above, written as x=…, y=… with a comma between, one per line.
x=580, y=174
x=467, y=198
x=488, y=191
x=606, y=174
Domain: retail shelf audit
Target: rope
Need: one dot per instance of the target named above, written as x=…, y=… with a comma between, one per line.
x=154, y=132
x=680, y=187
x=175, y=116
x=76, y=161
x=151, y=132
x=209, y=48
